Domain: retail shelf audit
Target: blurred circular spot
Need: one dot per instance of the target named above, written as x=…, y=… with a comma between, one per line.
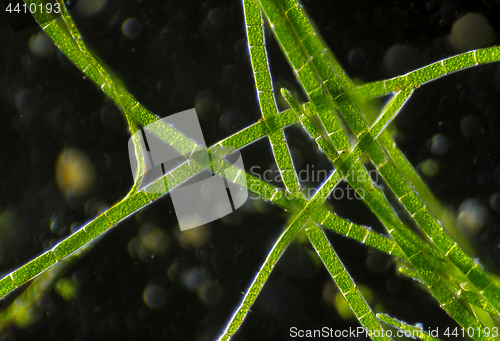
x=112, y=118
x=131, y=28
x=194, y=237
x=8, y=218
x=429, y=168
x=343, y=307
x=40, y=45
x=400, y=58
x=26, y=101
x=205, y=106
x=216, y=17
x=55, y=224
x=496, y=175
x=88, y=8
x=472, y=31
x=439, y=144
x=471, y=126
x=472, y=215
x=357, y=58
x=151, y=240
x=192, y=278
x=210, y=293
x=154, y=296
x=230, y=120
x=495, y=201
x=75, y=173
x=162, y=87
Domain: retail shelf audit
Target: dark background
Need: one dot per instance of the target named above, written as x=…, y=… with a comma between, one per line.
x=193, y=54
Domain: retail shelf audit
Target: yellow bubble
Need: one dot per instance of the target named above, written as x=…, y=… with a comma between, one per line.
x=75, y=173
x=472, y=31
x=150, y=242
x=430, y=168
x=334, y=297
x=194, y=237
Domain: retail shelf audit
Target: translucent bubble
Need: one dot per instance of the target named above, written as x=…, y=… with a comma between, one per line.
x=40, y=45
x=472, y=31
x=75, y=173
x=27, y=102
x=111, y=118
x=357, y=58
x=204, y=105
x=472, y=215
x=151, y=241
x=229, y=120
x=8, y=218
x=495, y=201
x=400, y=58
x=195, y=237
x=192, y=278
x=163, y=87
x=210, y=293
x=131, y=28
x=496, y=175
x=439, y=144
x=55, y=224
x=216, y=16
x=471, y=126
x=88, y=8
x=154, y=296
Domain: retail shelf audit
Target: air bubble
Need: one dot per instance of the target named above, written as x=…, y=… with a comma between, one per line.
x=400, y=58
x=216, y=17
x=40, y=45
x=357, y=58
x=154, y=296
x=439, y=144
x=194, y=237
x=470, y=126
x=210, y=293
x=472, y=215
x=88, y=8
x=472, y=31
x=495, y=201
x=192, y=278
x=75, y=172
x=131, y=28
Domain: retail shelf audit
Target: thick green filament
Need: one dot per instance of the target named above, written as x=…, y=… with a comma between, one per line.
x=410, y=331
x=304, y=53
x=265, y=92
x=344, y=281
